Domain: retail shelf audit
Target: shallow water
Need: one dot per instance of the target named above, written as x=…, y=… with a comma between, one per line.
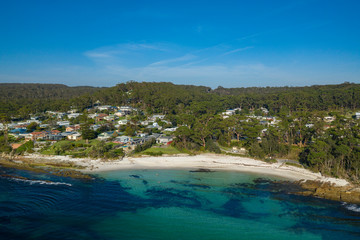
x=166, y=204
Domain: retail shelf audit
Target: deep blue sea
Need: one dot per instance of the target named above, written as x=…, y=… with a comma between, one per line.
x=166, y=204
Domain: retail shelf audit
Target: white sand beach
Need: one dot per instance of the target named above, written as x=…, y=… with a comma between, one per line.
x=205, y=161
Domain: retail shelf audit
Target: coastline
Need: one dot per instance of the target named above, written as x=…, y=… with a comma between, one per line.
x=214, y=162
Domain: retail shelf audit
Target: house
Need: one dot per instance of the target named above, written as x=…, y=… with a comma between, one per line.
x=55, y=135
x=21, y=125
x=101, y=117
x=110, y=117
x=142, y=134
x=73, y=128
x=74, y=136
x=144, y=123
x=73, y=115
x=155, y=125
x=95, y=127
x=105, y=135
x=329, y=119
x=120, y=113
x=55, y=132
x=138, y=141
x=66, y=134
x=39, y=135
x=126, y=110
x=156, y=117
x=104, y=107
x=123, y=122
x=123, y=140
x=173, y=129
x=63, y=123
x=229, y=112
x=166, y=140
x=357, y=115
x=58, y=115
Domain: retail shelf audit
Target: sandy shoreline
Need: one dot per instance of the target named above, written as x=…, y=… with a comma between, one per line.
x=206, y=161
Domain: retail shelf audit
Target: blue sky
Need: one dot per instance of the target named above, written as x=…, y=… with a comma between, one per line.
x=211, y=43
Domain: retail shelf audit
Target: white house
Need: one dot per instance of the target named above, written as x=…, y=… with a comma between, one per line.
x=123, y=139
x=105, y=135
x=173, y=129
x=357, y=115
x=74, y=136
x=73, y=115
x=63, y=123
x=103, y=107
x=329, y=119
x=123, y=122
x=229, y=112
x=165, y=139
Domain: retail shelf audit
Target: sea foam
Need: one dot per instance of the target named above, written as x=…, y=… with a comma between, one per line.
x=351, y=207
x=31, y=182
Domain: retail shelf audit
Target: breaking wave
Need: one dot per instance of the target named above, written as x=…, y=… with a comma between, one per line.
x=351, y=207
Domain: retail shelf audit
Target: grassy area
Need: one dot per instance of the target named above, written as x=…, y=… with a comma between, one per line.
x=93, y=148
x=157, y=151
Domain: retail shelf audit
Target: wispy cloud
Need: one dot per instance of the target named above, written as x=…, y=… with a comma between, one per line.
x=237, y=50
x=210, y=75
x=163, y=62
x=120, y=50
x=186, y=57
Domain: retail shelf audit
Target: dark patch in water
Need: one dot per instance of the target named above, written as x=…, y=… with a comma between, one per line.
x=192, y=185
x=205, y=170
x=145, y=182
x=174, y=197
x=134, y=176
x=261, y=181
x=241, y=190
x=234, y=208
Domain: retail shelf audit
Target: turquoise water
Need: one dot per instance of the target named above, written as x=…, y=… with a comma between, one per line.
x=166, y=204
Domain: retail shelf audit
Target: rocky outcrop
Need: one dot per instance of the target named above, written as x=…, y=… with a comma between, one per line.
x=329, y=191
x=59, y=169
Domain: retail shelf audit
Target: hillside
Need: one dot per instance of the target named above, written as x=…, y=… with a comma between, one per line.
x=168, y=98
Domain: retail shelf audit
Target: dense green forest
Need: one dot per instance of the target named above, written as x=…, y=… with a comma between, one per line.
x=18, y=99
x=332, y=148
x=170, y=98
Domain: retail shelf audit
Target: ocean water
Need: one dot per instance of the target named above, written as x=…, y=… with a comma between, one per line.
x=166, y=204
